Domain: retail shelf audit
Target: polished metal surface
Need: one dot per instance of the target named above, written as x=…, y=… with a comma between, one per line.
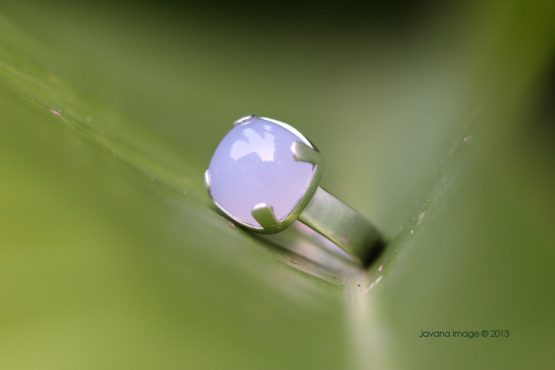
x=342, y=225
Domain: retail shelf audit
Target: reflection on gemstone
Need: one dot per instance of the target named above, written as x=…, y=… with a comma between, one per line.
x=259, y=144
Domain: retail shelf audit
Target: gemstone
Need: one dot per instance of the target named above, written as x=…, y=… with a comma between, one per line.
x=254, y=164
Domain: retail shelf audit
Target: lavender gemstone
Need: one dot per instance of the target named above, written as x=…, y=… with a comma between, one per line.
x=254, y=164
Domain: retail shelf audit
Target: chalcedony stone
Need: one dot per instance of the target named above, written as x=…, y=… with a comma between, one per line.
x=254, y=164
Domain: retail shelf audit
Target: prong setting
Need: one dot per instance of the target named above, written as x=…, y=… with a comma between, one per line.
x=266, y=217
x=243, y=119
x=266, y=135
x=305, y=153
x=207, y=182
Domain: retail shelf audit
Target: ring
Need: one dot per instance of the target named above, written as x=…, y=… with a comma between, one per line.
x=265, y=175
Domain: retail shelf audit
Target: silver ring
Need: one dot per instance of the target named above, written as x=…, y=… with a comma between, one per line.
x=265, y=175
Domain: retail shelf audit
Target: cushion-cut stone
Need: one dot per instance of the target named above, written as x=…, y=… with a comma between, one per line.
x=254, y=164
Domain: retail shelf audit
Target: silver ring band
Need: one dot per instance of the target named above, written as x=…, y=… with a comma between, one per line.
x=342, y=225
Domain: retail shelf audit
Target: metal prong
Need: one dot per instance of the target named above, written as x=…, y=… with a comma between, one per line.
x=304, y=153
x=207, y=182
x=266, y=217
x=243, y=119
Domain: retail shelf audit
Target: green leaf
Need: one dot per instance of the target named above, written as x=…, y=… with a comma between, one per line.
x=112, y=256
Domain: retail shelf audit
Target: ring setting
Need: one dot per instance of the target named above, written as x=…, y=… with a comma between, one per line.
x=264, y=175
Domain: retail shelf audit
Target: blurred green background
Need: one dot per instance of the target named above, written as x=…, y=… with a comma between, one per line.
x=435, y=120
